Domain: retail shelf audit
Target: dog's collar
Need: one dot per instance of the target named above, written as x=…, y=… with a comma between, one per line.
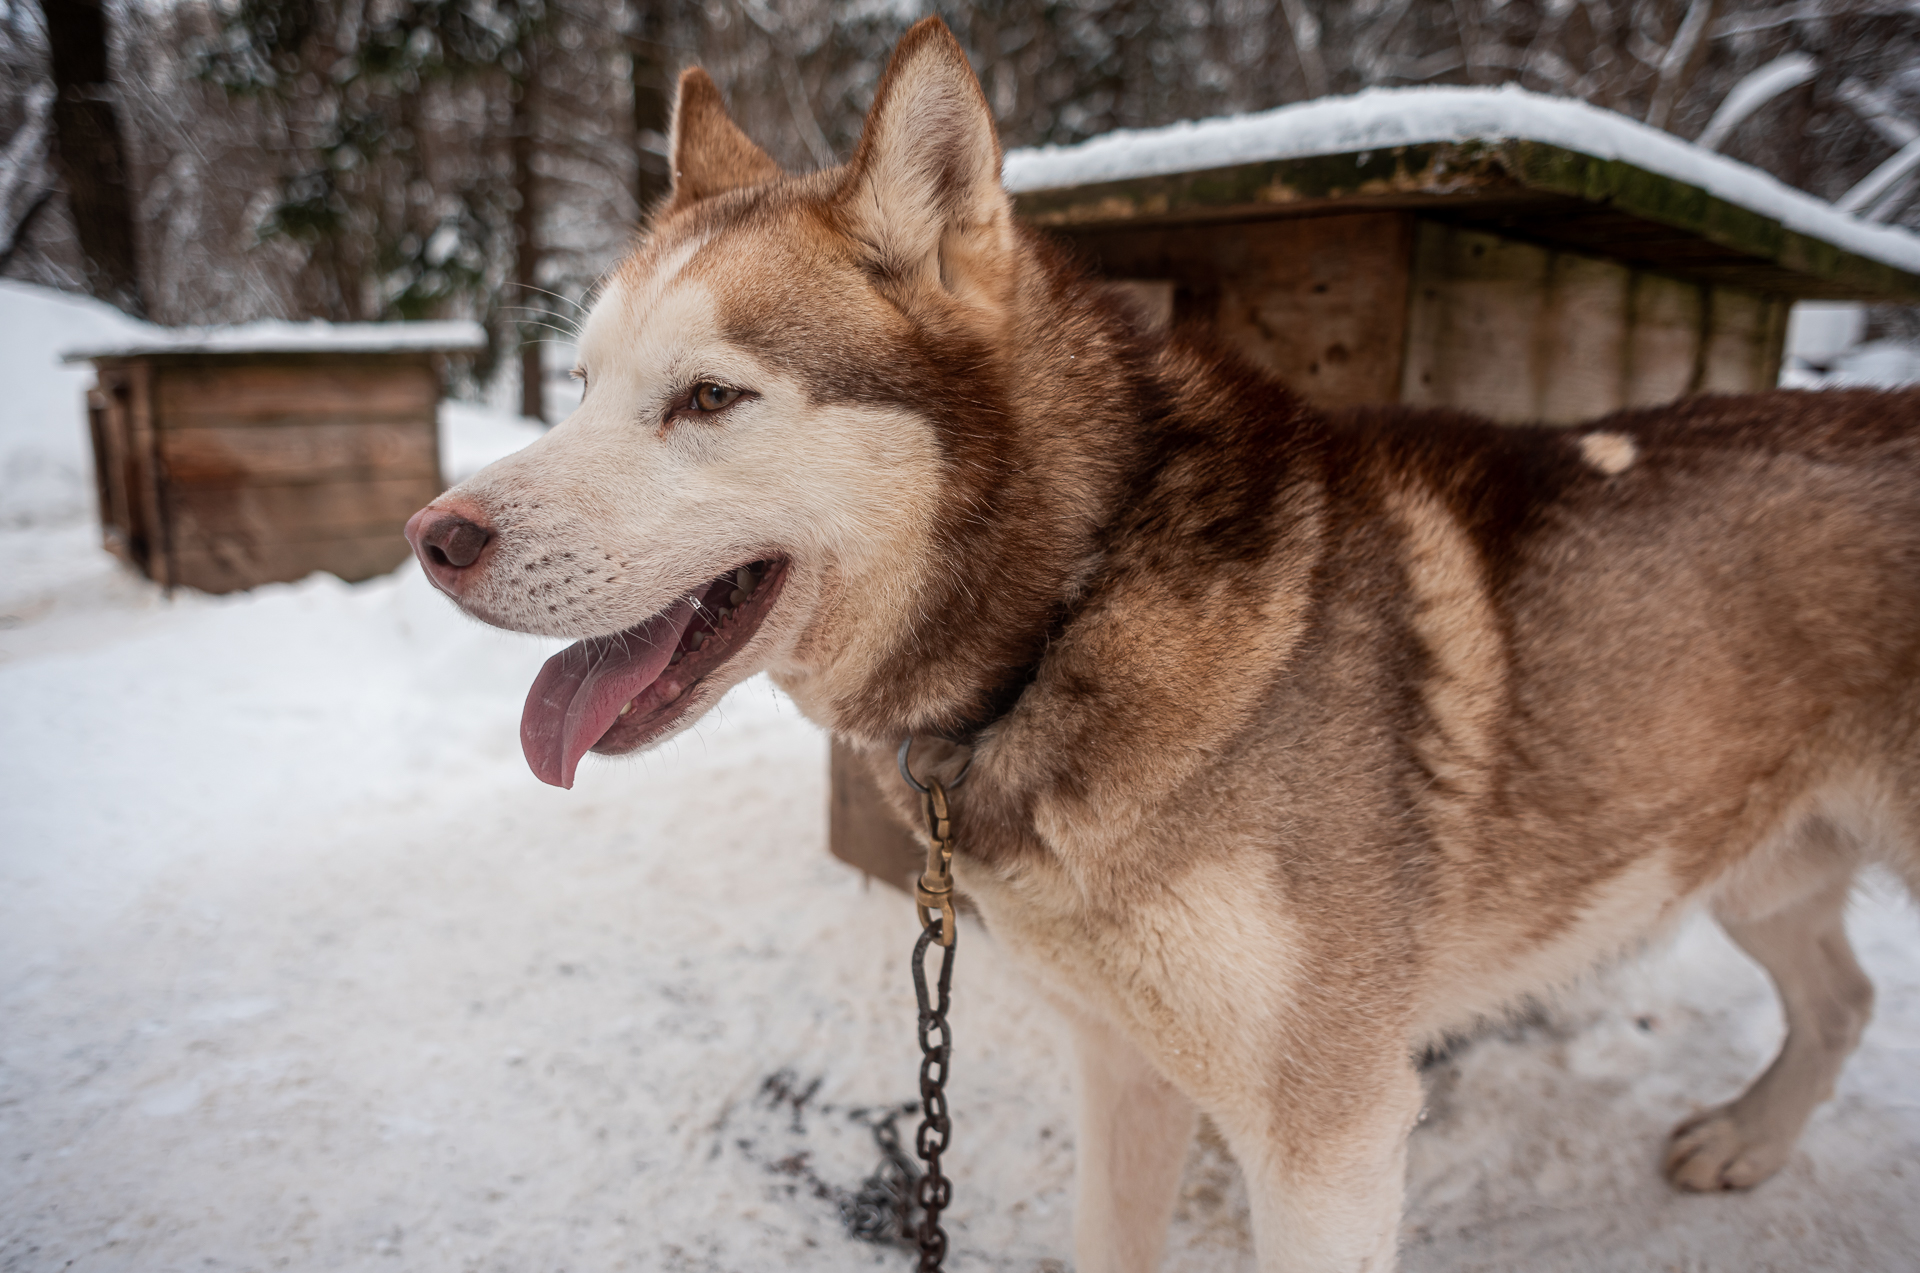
x=906, y=771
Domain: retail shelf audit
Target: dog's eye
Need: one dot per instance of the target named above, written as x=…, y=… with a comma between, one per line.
x=712, y=397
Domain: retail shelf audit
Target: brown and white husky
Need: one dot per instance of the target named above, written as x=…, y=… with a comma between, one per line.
x=1297, y=741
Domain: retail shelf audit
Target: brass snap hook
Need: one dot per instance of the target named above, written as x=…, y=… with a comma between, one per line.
x=934, y=893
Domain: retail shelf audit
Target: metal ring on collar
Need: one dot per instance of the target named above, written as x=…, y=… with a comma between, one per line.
x=905, y=746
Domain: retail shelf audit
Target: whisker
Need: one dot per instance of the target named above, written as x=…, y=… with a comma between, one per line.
x=528, y=287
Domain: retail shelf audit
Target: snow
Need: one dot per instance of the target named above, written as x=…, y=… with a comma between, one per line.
x=472, y=437
x=301, y=968
x=1825, y=350
x=45, y=459
x=1385, y=117
x=278, y=336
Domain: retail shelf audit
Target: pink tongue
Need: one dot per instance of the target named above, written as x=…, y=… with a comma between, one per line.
x=579, y=693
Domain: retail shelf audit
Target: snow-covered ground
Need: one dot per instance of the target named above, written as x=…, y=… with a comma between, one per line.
x=300, y=968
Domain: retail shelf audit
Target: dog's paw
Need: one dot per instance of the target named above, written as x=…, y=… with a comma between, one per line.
x=1721, y=1149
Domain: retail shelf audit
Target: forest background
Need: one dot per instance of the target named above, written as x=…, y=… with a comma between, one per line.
x=216, y=161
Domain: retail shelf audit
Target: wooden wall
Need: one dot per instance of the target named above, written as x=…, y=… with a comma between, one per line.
x=1321, y=301
x=1524, y=333
x=269, y=468
x=1361, y=307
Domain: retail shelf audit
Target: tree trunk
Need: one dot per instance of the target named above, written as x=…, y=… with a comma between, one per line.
x=650, y=68
x=526, y=252
x=89, y=154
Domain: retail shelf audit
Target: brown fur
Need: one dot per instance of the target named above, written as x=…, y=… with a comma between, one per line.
x=1299, y=740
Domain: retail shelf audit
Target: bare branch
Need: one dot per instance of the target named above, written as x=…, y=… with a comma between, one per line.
x=1753, y=92
x=1681, y=61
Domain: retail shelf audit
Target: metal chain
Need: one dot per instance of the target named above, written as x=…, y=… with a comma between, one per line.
x=933, y=1190
x=933, y=900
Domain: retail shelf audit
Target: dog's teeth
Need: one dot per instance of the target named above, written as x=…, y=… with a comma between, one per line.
x=743, y=577
x=735, y=597
x=626, y=708
x=677, y=656
x=699, y=639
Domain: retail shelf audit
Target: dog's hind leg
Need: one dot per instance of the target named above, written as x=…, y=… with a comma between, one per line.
x=1826, y=999
x=1134, y=1131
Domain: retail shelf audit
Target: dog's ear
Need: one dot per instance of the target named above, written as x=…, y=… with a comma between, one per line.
x=710, y=154
x=923, y=191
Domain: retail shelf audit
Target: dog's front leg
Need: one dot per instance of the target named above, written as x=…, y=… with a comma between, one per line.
x=1325, y=1165
x=1134, y=1131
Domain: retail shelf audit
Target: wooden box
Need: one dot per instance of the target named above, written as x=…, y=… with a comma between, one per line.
x=220, y=469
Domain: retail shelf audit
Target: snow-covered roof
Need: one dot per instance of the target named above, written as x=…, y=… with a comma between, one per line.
x=277, y=336
x=1383, y=119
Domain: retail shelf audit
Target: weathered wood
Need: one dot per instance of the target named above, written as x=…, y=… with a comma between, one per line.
x=229, y=565
x=1474, y=304
x=1663, y=339
x=261, y=512
x=204, y=394
x=861, y=828
x=1554, y=196
x=222, y=470
x=1319, y=301
x=1742, y=336
x=153, y=540
x=302, y=452
x=107, y=424
x=1578, y=354
x=1523, y=333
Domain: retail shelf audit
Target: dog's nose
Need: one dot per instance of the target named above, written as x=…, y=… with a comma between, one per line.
x=447, y=543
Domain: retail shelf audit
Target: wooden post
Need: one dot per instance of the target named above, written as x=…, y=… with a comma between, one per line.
x=861, y=828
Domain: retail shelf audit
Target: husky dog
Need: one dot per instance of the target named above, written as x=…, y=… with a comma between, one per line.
x=1298, y=741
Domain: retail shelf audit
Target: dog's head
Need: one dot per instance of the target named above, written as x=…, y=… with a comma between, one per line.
x=776, y=382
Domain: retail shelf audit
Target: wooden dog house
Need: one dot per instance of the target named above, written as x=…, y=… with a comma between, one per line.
x=235, y=457
x=1523, y=257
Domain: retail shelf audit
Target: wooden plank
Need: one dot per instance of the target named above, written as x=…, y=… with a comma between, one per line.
x=231, y=565
x=292, y=393
x=1579, y=355
x=301, y=452
x=1740, y=355
x=1663, y=344
x=269, y=513
x=1319, y=301
x=107, y=426
x=1474, y=311
x=1523, y=333
x=152, y=539
x=862, y=830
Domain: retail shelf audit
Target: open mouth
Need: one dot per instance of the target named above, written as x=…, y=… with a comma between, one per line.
x=614, y=693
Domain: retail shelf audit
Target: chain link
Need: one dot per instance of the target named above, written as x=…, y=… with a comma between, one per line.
x=933, y=1190
x=933, y=899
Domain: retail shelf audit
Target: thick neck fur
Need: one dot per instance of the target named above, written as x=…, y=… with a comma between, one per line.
x=1038, y=424
x=1102, y=479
